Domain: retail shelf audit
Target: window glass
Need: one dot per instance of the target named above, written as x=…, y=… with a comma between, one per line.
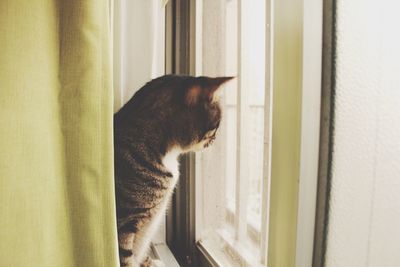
x=229, y=174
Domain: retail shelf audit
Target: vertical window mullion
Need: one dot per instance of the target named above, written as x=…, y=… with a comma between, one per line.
x=266, y=181
x=181, y=218
x=241, y=155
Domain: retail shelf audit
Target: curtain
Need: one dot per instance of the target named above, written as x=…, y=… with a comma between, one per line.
x=56, y=157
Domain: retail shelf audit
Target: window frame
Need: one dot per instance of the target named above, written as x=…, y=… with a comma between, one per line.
x=180, y=232
x=181, y=218
x=326, y=132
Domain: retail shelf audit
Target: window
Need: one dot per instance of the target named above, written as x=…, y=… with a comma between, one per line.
x=249, y=200
x=230, y=189
x=260, y=175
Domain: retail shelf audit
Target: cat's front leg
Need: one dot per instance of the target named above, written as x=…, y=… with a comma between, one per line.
x=149, y=262
x=126, y=257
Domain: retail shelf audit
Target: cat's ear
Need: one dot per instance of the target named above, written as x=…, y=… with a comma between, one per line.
x=193, y=95
x=205, y=88
x=213, y=90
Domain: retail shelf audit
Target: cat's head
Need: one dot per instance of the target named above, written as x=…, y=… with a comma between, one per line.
x=203, y=111
x=176, y=112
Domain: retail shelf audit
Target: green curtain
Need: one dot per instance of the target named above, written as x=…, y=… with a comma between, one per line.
x=56, y=158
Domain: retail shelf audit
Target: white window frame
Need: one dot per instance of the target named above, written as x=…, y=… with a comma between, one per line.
x=241, y=227
x=309, y=134
x=310, y=131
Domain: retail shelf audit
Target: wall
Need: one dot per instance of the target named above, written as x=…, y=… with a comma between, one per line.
x=364, y=228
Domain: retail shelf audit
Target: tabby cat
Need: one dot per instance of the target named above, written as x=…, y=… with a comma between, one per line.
x=168, y=116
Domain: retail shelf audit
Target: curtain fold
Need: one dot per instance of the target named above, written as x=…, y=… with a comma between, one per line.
x=56, y=156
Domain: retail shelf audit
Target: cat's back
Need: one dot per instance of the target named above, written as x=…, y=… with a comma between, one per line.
x=154, y=94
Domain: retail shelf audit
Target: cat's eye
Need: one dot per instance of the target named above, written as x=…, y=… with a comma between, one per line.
x=211, y=131
x=209, y=134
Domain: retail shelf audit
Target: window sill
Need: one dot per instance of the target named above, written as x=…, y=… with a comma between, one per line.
x=246, y=253
x=239, y=253
x=162, y=252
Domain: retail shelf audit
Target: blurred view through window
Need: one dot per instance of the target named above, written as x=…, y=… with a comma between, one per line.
x=231, y=41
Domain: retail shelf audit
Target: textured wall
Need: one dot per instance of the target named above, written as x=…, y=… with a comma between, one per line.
x=364, y=225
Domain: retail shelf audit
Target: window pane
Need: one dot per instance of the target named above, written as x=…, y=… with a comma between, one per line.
x=217, y=168
x=253, y=64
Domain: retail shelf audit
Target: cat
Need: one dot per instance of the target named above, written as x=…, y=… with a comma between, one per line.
x=168, y=116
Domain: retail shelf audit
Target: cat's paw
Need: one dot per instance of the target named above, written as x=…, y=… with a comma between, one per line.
x=157, y=263
x=149, y=262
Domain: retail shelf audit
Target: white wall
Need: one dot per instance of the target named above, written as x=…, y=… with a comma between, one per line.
x=364, y=227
